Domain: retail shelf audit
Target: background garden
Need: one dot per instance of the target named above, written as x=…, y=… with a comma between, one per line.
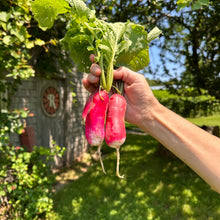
x=157, y=184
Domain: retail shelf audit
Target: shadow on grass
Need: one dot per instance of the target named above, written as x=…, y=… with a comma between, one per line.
x=153, y=188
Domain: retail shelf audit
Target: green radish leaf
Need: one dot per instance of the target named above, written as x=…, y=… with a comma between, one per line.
x=78, y=42
x=114, y=44
x=134, y=53
x=81, y=10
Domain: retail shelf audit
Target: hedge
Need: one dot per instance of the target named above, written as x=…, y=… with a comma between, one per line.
x=188, y=106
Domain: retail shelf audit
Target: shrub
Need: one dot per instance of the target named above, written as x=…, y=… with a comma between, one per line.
x=26, y=178
x=187, y=104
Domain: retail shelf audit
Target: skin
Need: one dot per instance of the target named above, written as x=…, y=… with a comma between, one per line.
x=196, y=147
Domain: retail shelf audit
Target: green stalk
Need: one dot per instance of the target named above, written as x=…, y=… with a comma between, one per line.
x=109, y=77
x=110, y=70
x=102, y=78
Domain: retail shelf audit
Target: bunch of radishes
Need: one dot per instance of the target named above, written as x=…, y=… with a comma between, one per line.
x=104, y=115
x=115, y=45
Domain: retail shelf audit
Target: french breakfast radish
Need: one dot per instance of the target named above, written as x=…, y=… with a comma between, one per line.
x=95, y=121
x=115, y=133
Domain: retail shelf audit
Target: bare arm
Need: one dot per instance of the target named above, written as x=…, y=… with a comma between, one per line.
x=196, y=147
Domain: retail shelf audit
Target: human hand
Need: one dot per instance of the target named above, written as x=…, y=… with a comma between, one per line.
x=139, y=97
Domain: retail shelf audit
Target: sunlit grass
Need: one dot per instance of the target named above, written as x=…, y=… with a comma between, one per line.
x=154, y=187
x=213, y=120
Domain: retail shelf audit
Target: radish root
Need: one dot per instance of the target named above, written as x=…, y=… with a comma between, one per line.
x=100, y=158
x=118, y=162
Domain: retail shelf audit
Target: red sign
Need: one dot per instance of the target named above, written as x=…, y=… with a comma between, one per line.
x=51, y=101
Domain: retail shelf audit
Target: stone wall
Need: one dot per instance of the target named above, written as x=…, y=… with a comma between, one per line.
x=66, y=127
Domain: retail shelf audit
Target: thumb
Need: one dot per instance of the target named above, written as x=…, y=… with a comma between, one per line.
x=126, y=75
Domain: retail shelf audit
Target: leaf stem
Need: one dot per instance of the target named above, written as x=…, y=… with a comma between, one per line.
x=103, y=80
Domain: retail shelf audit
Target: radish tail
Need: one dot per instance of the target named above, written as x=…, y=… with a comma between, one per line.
x=100, y=158
x=118, y=162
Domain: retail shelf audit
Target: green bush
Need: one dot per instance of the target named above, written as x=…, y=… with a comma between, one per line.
x=26, y=178
x=188, y=105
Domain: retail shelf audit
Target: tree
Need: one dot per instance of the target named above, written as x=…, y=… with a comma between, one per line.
x=202, y=50
x=191, y=36
x=198, y=43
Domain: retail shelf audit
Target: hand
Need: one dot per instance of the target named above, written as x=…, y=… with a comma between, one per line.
x=140, y=99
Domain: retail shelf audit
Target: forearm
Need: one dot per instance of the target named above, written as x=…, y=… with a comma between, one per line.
x=196, y=147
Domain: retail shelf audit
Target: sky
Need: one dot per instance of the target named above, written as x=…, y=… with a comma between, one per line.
x=154, y=52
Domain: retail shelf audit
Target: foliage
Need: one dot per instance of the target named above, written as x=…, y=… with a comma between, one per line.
x=25, y=178
x=187, y=103
x=154, y=82
x=190, y=39
x=194, y=4
x=154, y=187
x=115, y=44
x=15, y=39
x=14, y=44
x=25, y=50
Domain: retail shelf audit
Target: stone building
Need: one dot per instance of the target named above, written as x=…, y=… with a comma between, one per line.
x=56, y=105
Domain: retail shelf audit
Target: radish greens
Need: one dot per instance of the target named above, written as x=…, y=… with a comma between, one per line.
x=115, y=44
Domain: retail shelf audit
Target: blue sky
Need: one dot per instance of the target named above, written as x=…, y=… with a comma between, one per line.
x=154, y=52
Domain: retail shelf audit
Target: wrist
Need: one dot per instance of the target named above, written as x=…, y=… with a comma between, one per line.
x=150, y=116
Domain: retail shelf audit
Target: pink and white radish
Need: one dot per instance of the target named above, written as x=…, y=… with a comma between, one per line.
x=95, y=121
x=115, y=133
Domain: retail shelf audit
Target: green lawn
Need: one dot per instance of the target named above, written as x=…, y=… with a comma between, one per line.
x=212, y=120
x=154, y=187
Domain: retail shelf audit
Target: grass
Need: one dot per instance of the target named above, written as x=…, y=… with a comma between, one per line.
x=154, y=187
x=213, y=120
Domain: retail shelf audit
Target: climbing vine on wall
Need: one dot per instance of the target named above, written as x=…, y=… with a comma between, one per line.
x=25, y=188
x=24, y=48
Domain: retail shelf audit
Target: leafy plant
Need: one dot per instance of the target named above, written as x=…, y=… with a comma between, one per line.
x=26, y=178
x=115, y=44
x=22, y=42
x=188, y=103
x=194, y=4
x=15, y=39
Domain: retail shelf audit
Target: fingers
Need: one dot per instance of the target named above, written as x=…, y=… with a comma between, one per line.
x=95, y=70
x=126, y=75
x=123, y=73
x=92, y=58
x=91, y=81
x=89, y=86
